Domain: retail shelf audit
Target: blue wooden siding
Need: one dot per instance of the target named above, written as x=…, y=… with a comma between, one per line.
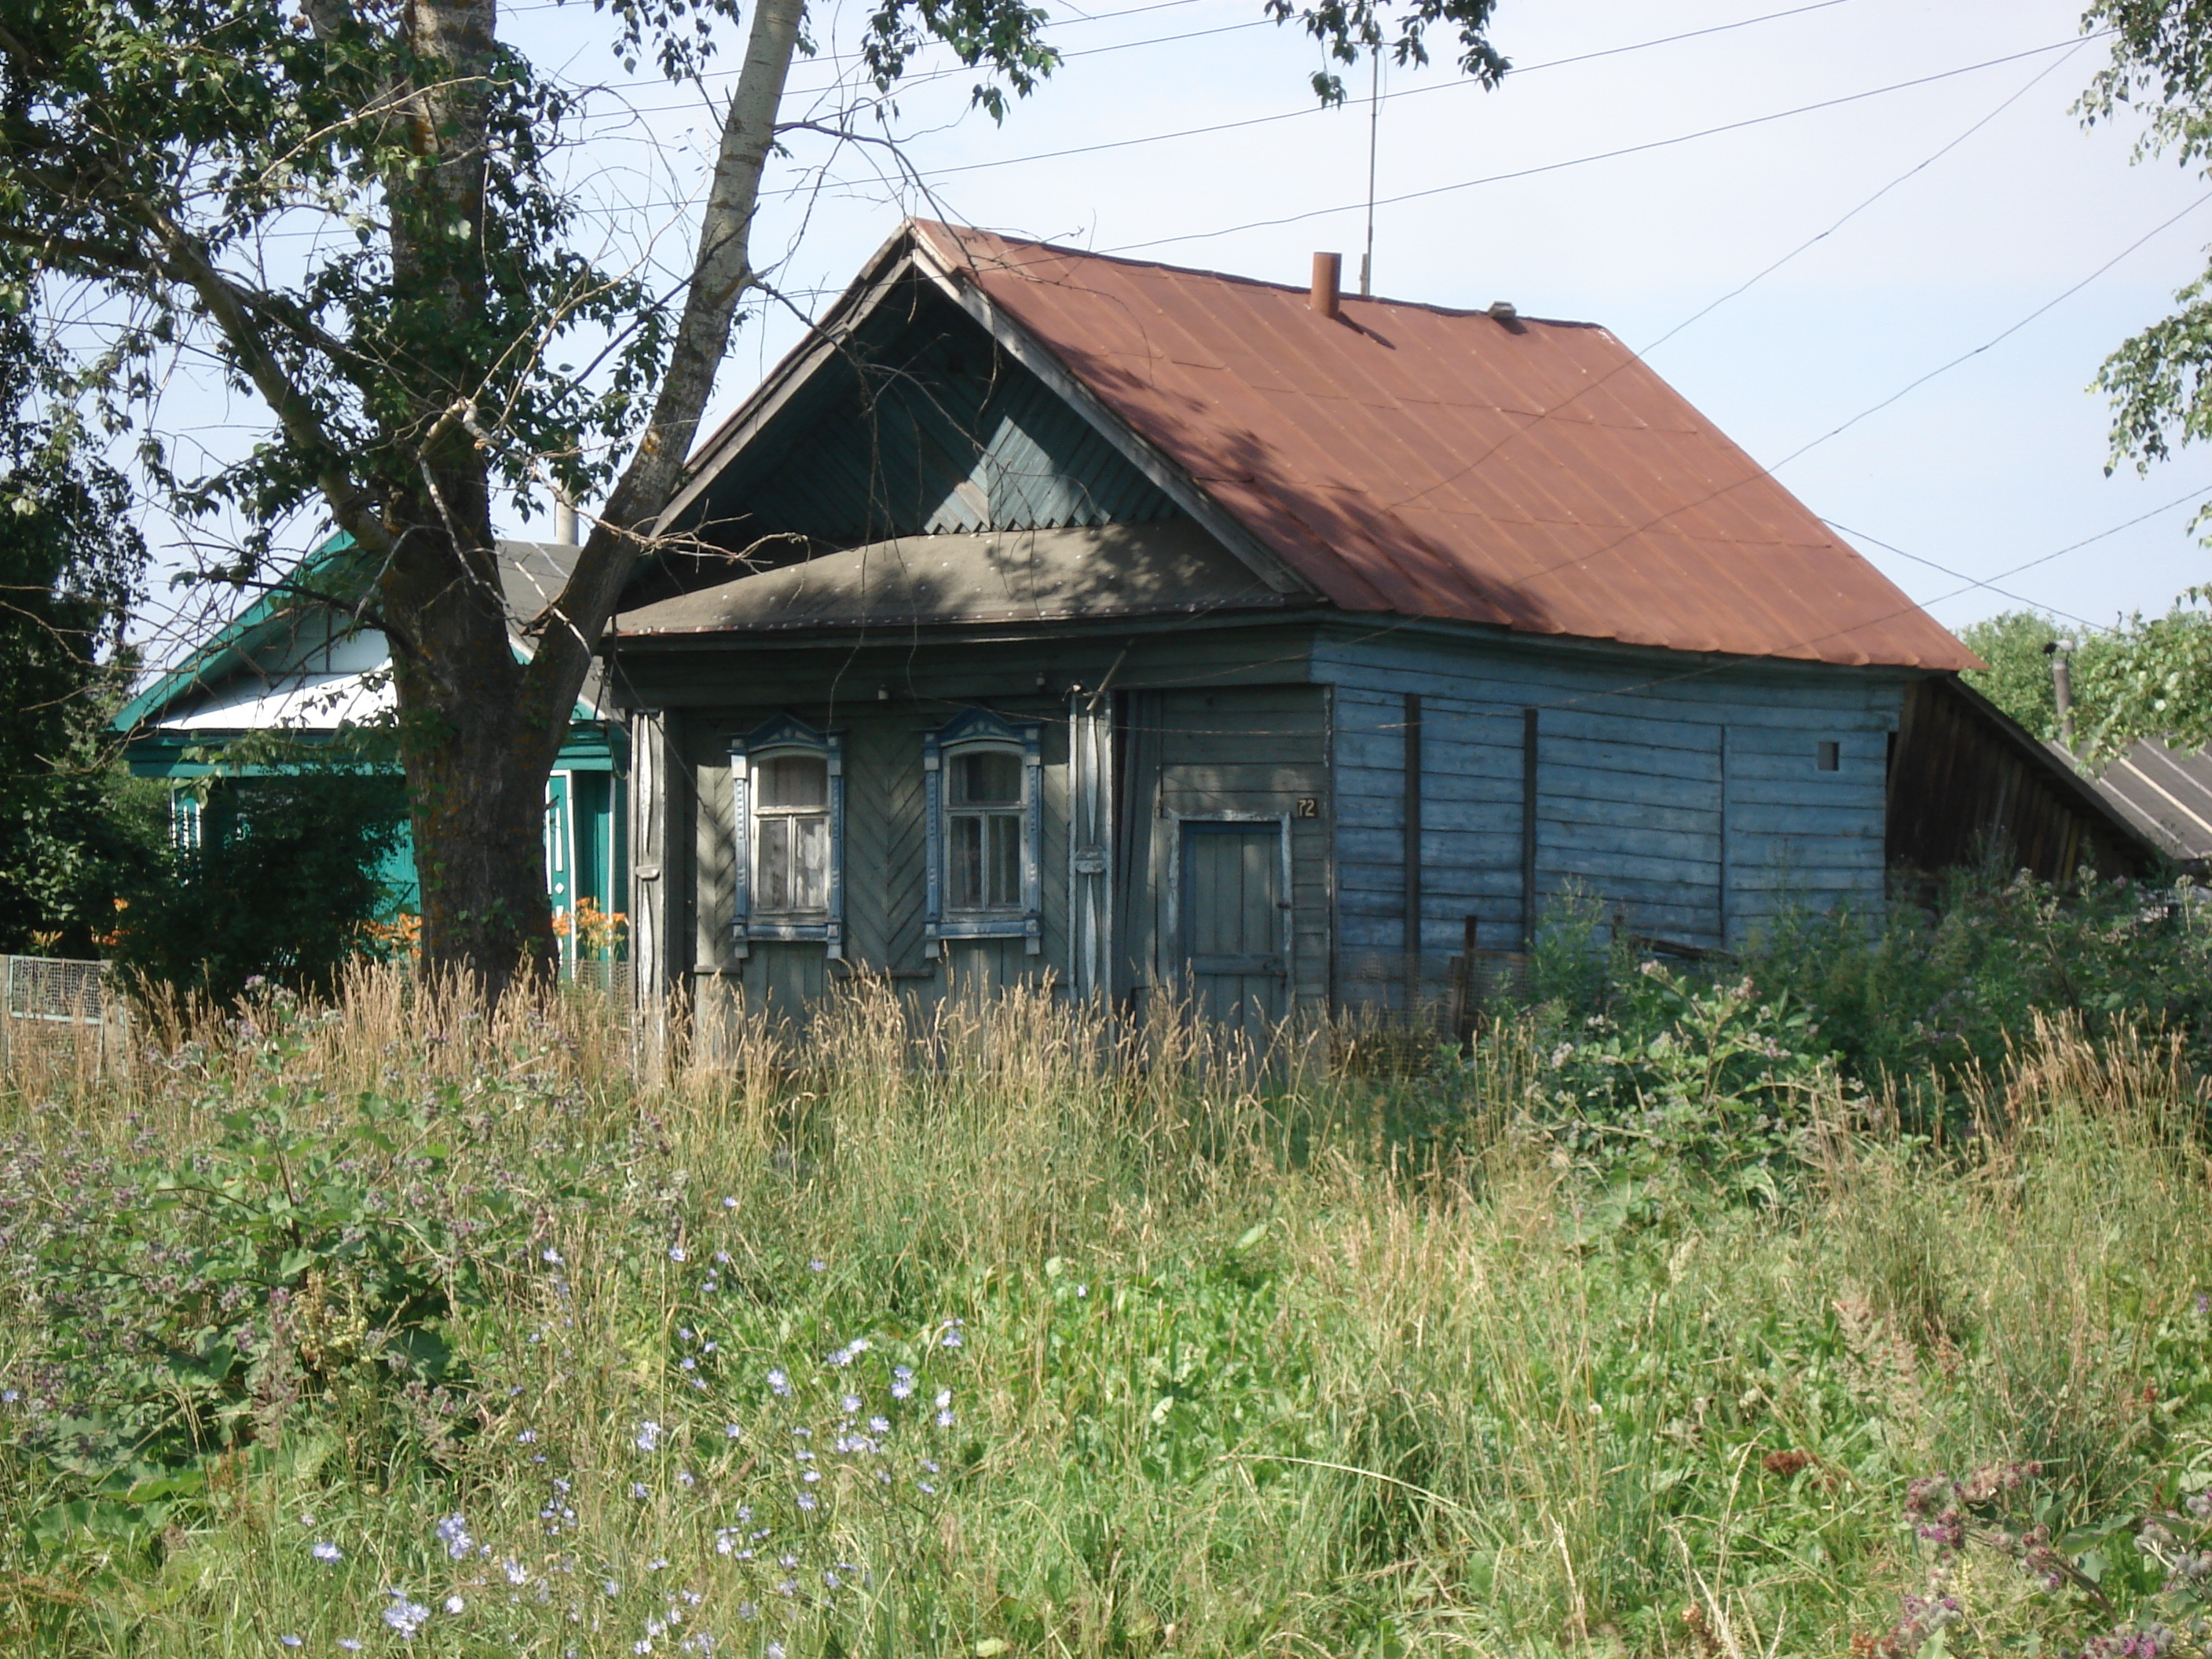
x=1692, y=804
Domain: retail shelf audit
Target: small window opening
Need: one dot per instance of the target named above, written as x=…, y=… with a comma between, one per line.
x=983, y=824
x=1828, y=755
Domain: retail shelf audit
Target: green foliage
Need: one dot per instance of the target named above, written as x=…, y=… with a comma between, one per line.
x=1526, y=1399
x=1683, y=1077
x=70, y=566
x=2149, y=679
x=2160, y=72
x=2145, y=678
x=278, y=883
x=2018, y=678
x=293, y=1259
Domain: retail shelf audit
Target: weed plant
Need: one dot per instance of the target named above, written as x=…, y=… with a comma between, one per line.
x=402, y=1326
x=1927, y=1004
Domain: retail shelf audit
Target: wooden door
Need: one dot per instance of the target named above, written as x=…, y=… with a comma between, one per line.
x=1233, y=917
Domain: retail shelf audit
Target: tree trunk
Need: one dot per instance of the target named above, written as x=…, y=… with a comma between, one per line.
x=477, y=763
x=479, y=732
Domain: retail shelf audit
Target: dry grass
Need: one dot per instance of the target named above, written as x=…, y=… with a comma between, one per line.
x=1240, y=1371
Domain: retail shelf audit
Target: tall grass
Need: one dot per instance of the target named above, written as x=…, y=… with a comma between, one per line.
x=1237, y=1362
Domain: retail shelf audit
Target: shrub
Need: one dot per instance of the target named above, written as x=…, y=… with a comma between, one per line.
x=280, y=884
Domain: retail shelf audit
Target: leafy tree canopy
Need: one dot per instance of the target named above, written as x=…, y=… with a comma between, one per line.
x=2148, y=677
x=71, y=562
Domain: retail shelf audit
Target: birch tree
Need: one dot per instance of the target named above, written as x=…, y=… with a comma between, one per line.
x=408, y=368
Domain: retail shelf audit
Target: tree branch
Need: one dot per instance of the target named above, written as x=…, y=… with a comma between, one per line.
x=303, y=423
x=720, y=276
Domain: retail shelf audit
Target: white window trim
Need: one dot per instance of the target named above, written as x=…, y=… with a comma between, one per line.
x=974, y=729
x=786, y=734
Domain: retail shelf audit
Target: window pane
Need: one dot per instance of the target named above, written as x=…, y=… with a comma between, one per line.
x=810, y=883
x=989, y=778
x=1006, y=883
x=795, y=862
x=794, y=781
x=964, y=864
x=776, y=864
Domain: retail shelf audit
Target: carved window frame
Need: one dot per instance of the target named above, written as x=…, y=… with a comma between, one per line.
x=972, y=730
x=786, y=734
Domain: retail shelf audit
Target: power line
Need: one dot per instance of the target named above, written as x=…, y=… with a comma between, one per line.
x=1456, y=84
x=1555, y=167
x=1967, y=356
x=1873, y=408
x=1989, y=582
x=1465, y=184
x=1641, y=356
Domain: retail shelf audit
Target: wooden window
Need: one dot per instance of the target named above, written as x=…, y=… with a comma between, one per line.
x=983, y=781
x=787, y=813
x=791, y=820
x=1828, y=755
x=983, y=830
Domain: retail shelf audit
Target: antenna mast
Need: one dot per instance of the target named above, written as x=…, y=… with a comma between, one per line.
x=1374, y=134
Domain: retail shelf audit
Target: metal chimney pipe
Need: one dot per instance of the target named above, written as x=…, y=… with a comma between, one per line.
x=2062, y=688
x=1328, y=284
x=564, y=518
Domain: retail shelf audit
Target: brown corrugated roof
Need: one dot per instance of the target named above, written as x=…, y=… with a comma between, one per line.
x=1410, y=458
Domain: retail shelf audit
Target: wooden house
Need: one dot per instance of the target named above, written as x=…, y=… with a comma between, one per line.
x=1053, y=614
x=292, y=663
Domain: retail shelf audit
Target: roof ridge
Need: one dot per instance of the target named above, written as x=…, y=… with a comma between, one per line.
x=1062, y=250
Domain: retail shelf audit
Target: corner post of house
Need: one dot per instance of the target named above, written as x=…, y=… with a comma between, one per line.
x=653, y=911
x=1413, y=793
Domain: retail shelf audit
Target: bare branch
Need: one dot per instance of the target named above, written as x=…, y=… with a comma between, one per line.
x=303, y=423
x=720, y=276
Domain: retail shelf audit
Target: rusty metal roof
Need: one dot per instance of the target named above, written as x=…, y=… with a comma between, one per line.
x=1428, y=462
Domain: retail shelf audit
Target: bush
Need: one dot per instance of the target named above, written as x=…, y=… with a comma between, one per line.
x=280, y=884
x=1929, y=1005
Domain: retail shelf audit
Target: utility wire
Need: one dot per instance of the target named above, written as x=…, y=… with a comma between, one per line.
x=1575, y=161
x=1167, y=40
x=1990, y=582
x=1873, y=408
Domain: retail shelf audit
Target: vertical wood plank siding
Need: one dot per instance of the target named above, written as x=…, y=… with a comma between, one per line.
x=1411, y=770
x=1447, y=778
x=1966, y=785
x=1243, y=752
x=1541, y=771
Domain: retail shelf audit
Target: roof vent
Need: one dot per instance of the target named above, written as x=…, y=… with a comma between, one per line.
x=1503, y=310
x=1327, y=283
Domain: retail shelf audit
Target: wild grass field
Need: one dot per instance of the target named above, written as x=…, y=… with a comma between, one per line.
x=392, y=1325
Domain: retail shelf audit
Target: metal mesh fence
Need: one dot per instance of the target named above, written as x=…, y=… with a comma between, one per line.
x=52, y=1003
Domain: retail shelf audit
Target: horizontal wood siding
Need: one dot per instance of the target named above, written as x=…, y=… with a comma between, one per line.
x=1651, y=785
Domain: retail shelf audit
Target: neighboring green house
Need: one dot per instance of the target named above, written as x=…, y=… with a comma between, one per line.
x=288, y=664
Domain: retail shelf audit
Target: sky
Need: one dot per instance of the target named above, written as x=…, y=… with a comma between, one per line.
x=1958, y=253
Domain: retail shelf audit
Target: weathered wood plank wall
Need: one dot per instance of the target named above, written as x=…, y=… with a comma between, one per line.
x=1694, y=805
